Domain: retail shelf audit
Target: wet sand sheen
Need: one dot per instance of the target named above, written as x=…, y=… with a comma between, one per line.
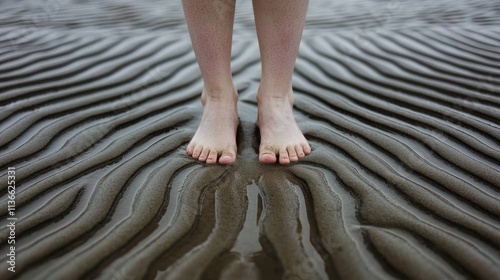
x=400, y=103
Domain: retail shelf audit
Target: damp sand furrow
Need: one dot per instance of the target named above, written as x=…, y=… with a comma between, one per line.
x=102, y=124
x=185, y=217
x=407, y=120
x=145, y=207
x=382, y=141
x=123, y=101
x=101, y=203
x=109, y=90
x=69, y=172
x=63, y=78
x=326, y=73
x=382, y=66
x=20, y=58
x=399, y=102
x=415, y=190
x=452, y=85
x=60, y=60
x=479, y=260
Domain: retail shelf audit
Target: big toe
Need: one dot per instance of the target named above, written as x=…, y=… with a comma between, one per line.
x=267, y=155
x=227, y=158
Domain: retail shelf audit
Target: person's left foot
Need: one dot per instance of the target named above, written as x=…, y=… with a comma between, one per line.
x=281, y=139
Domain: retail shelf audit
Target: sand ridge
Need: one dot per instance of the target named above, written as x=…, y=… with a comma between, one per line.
x=398, y=99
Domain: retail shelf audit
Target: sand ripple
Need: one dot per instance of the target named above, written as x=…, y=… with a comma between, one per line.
x=399, y=100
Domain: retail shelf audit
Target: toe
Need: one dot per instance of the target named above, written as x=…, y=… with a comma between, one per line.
x=299, y=151
x=204, y=154
x=197, y=151
x=190, y=149
x=267, y=155
x=284, y=158
x=306, y=148
x=227, y=157
x=212, y=157
x=292, y=153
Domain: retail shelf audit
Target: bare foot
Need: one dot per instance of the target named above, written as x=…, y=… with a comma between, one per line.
x=215, y=138
x=280, y=135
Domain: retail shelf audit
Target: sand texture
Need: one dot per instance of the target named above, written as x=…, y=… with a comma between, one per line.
x=400, y=101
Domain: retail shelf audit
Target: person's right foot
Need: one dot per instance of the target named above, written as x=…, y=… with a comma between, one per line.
x=215, y=139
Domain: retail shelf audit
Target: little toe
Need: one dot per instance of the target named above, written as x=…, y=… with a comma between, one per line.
x=292, y=154
x=306, y=148
x=190, y=148
x=284, y=158
x=204, y=154
x=267, y=155
x=212, y=157
x=227, y=157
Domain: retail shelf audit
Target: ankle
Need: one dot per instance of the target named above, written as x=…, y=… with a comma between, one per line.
x=275, y=94
x=228, y=94
x=274, y=100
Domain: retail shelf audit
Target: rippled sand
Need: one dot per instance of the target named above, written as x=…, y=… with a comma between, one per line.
x=400, y=101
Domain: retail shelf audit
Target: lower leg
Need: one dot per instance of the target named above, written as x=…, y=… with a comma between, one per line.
x=210, y=24
x=279, y=26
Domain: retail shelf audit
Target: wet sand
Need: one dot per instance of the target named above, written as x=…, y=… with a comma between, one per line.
x=400, y=101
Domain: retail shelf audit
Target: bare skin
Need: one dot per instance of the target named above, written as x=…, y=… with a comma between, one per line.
x=281, y=138
x=210, y=25
x=279, y=30
x=279, y=26
x=215, y=137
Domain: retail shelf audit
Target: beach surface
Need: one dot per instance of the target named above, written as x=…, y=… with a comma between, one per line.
x=400, y=101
